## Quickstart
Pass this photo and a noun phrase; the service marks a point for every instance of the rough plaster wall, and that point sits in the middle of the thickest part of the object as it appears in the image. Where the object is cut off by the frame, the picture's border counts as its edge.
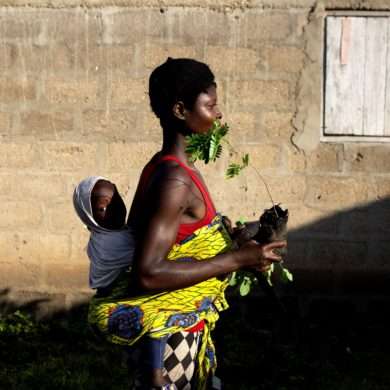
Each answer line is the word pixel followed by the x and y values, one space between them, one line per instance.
pixel 227 5
pixel 73 102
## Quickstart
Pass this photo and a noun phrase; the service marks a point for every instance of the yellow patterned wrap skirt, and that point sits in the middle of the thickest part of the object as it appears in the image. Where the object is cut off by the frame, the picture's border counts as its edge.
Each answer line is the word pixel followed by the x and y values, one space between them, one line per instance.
pixel 125 320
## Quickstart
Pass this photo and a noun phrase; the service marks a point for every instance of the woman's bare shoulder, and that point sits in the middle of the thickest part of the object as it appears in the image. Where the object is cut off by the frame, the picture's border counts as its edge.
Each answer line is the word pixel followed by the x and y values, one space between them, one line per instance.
pixel 169 171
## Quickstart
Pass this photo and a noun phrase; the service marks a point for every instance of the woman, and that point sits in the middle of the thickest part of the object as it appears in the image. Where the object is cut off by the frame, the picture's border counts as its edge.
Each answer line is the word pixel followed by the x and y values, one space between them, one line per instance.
pixel 174 218
pixel 172 200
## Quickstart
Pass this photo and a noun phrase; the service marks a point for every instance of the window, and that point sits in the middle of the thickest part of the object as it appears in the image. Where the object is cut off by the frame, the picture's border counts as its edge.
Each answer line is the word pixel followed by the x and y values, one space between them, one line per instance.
pixel 356 94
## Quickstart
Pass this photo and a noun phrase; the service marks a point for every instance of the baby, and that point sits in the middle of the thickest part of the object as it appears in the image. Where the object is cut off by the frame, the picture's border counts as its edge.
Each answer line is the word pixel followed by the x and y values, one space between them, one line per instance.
pixel 110 250
pixel 111 245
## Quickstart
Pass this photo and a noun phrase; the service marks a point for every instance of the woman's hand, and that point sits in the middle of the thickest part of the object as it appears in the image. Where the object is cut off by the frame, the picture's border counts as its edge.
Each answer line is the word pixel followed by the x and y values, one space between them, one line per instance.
pixel 259 257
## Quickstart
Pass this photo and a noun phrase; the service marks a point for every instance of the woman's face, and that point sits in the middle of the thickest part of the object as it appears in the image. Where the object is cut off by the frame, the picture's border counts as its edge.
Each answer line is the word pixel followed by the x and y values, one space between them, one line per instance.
pixel 205 111
pixel 108 207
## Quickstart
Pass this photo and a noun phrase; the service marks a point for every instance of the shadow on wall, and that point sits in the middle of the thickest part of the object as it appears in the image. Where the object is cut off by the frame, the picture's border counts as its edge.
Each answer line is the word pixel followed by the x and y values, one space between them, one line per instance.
pixel 345 254
pixel 8 305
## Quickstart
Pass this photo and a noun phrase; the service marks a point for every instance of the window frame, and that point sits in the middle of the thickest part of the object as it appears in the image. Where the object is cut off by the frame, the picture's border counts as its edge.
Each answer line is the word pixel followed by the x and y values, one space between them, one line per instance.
pixel 334 137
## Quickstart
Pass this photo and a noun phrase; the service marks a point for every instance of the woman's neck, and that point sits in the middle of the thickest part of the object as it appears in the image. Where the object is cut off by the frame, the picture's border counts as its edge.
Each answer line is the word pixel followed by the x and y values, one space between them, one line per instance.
pixel 175 143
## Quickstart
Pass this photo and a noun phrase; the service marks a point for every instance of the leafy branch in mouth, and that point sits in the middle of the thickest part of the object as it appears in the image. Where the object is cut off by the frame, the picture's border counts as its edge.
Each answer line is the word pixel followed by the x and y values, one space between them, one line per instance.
pixel 207 146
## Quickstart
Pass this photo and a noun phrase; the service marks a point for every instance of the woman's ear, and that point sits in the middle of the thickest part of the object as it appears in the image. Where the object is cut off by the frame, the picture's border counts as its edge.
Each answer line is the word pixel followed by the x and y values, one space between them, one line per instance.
pixel 179 110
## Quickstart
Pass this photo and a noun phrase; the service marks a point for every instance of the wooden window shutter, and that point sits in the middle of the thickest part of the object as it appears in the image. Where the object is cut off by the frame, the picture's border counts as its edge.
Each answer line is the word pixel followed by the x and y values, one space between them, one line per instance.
pixel 357 76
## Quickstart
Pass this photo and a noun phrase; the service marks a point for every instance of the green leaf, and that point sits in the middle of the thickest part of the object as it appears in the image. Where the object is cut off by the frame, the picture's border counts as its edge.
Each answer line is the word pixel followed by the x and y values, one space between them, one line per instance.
pixel 285 276
pixel 240 221
pixel 233 279
pixel 245 286
pixel 233 170
pixel 268 274
pixel 214 148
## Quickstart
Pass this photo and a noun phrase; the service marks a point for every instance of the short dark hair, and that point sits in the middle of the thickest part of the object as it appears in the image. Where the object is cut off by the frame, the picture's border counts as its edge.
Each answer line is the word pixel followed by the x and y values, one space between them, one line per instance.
pixel 180 79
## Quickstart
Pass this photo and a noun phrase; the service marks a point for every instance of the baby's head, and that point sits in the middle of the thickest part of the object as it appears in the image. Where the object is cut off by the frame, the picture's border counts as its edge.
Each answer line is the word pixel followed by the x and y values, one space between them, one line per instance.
pixel 98 204
pixel 108 208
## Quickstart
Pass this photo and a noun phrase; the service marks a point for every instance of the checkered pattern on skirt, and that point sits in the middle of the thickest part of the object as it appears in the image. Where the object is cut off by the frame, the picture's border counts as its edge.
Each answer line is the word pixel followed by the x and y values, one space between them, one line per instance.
pixel 179 362
pixel 179 358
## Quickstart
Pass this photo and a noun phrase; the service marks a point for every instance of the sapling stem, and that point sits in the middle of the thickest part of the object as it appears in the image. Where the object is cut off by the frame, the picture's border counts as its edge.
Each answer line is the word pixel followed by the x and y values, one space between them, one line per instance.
pixel 257 172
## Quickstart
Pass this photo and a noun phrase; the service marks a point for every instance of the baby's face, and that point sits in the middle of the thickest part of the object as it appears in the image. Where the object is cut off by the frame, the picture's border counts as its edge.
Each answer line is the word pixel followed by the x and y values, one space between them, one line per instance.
pixel 108 207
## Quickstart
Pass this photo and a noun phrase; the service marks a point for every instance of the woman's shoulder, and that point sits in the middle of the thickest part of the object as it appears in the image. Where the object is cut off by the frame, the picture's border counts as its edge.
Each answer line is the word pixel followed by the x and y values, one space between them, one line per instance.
pixel 168 167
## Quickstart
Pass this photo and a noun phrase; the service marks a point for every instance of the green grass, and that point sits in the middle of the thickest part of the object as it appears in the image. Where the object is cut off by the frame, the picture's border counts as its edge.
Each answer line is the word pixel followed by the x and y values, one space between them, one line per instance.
pixel 58 355
pixel 257 350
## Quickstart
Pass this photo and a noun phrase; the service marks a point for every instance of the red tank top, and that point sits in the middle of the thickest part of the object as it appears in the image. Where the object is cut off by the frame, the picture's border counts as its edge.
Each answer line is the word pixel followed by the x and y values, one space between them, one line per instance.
pixel 185 229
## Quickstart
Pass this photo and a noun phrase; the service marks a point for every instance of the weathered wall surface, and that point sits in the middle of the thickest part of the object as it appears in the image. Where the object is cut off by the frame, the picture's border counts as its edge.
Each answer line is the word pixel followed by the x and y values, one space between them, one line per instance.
pixel 73 102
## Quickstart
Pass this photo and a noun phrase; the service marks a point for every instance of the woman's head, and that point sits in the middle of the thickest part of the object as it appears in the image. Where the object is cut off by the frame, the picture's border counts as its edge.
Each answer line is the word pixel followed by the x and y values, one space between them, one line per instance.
pixel 175 81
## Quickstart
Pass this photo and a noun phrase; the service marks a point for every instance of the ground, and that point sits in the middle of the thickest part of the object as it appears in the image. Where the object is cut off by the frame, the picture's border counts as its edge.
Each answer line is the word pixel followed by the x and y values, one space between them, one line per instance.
pixel 259 347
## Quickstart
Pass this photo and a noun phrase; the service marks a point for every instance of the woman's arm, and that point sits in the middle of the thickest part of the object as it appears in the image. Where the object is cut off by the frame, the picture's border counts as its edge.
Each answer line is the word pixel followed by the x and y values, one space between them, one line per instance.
pixel 169 197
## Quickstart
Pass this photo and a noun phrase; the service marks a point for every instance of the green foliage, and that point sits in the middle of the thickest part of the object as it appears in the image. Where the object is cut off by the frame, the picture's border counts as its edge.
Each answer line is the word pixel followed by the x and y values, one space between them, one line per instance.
pixel 17 323
pixel 244 281
pixel 285 275
pixel 268 274
pixel 207 147
pixel 240 221
pixel 60 353
pixel 235 169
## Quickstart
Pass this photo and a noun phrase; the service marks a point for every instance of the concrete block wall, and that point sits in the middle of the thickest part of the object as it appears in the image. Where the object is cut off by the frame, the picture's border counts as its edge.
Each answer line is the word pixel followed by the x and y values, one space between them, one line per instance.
pixel 73 102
